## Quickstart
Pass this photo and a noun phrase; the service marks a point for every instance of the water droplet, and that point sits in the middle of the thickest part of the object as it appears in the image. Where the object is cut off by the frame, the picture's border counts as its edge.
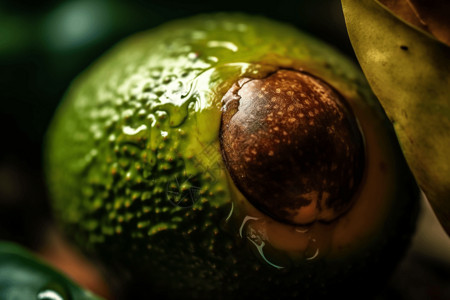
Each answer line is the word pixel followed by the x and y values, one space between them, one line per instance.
pixel 133 131
pixel 53 291
pixel 177 113
pixel 168 78
pixel 152 120
pixel 48 294
pixel 314 256
pixel 155 74
pixel 161 115
pixel 193 56
pixel 213 59
pixel 301 229
pixel 223 44
pixel 259 244
pixel 231 212
pixel 112 138
pixel 246 219
pixel 126 114
pixel 149 97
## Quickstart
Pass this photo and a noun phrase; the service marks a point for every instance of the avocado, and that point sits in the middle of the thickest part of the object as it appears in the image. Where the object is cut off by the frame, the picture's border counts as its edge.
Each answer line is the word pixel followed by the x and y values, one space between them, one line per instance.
pixel 23 276
pixel 141 158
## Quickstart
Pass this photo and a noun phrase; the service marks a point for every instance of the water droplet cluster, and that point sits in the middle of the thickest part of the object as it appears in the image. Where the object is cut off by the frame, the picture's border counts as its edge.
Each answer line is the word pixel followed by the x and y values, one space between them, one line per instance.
pixel 133 165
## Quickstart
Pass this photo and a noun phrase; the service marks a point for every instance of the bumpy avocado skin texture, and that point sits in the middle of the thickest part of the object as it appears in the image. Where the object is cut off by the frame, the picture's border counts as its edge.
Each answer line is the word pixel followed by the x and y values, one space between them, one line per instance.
pixel 137 179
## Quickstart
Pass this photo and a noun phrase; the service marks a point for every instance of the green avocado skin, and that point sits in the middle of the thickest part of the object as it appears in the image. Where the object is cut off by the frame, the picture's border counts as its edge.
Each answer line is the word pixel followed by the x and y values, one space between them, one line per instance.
pixel 137 179
pixel 23 276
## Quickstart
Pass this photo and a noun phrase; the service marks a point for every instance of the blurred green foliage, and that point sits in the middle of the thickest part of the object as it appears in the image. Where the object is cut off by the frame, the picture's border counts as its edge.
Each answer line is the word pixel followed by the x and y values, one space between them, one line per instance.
pixel 24 276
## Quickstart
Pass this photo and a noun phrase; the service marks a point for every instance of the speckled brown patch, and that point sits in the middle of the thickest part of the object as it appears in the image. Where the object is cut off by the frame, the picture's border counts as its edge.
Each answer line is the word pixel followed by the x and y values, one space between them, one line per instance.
pixel 292 146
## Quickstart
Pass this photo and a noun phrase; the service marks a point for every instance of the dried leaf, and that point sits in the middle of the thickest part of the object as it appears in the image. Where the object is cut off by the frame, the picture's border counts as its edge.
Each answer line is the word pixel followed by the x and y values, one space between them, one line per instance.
pixel 431 16
pixel 409 72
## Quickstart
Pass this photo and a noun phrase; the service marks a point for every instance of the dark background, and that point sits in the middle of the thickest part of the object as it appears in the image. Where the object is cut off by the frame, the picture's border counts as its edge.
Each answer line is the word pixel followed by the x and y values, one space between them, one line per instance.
pixel 45 44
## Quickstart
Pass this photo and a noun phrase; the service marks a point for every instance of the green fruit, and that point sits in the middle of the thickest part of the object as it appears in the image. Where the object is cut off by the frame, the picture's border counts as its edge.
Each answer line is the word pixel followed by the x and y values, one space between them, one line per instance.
pixel 23 276
pixel 135 167
pixel 409 71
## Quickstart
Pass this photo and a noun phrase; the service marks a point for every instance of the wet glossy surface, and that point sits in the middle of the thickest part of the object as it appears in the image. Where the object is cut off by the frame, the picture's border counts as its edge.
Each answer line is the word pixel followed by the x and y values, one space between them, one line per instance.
pixel 137 177
pixel 292 146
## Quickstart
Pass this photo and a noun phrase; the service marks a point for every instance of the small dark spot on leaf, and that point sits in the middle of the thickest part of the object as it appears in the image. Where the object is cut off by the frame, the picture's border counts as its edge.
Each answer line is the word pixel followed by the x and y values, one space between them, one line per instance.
pixel 403 47
pixel 405 114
